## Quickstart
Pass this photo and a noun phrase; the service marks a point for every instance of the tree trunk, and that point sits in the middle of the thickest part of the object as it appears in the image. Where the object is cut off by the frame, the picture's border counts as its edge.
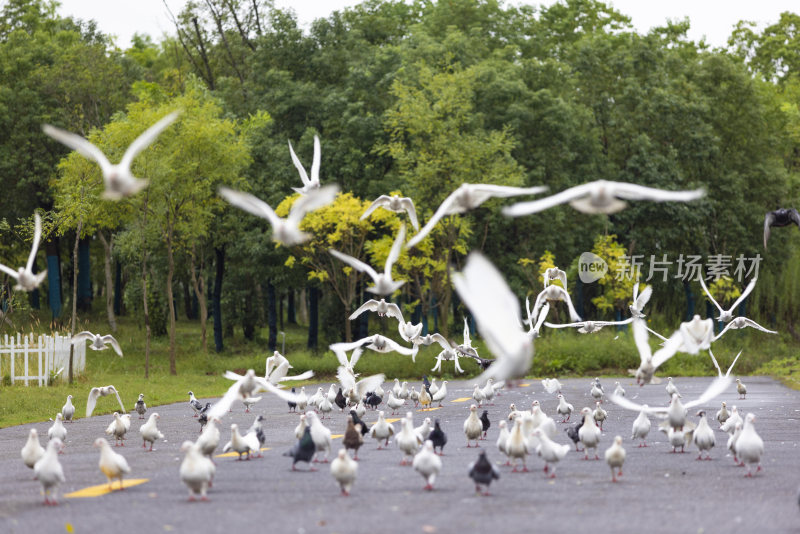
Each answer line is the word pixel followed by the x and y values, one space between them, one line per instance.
pixel 84 276
pixel 170 272
pixel 118 289
pixel 291 318
pixel 74 298
pixel 313 317
pixel 272 317
pixel 107 249
pixel 198 284
pixel 216 306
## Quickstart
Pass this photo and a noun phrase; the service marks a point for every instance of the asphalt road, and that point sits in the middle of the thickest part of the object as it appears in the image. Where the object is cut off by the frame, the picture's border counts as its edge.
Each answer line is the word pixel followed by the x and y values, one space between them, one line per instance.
pixel 659 492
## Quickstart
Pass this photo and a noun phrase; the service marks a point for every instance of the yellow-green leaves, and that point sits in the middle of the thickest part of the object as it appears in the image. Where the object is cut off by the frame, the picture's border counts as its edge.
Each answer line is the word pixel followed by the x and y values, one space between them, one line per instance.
pixel 618 282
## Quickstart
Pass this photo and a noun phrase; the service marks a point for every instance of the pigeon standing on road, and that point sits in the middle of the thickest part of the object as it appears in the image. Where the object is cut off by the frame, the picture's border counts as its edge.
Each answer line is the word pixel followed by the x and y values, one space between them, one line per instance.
pixel 292 404
pixel 303 450
pixel 196 471
pixel 641 427
pixel 57 430
pixel 485 422
pixel 438 438
pixel 68 410
pixel 203 419
pixel 150 432
pixel 482 472
pixel 741 389
pixel 615 457
pixel 357 421
pixel 722 414
pixel 427 464
pixel 703 437
pixel 112 465
pixel 353 438
pixel 572 433
pixel 48 471
pixel 195 405
pixel 381 430
pixel 344 469
pixel 340 401
pixel 33 451
pixel 589 434
pixel 209 438
pixel 258 429
pixel 140 406
pixel 472 426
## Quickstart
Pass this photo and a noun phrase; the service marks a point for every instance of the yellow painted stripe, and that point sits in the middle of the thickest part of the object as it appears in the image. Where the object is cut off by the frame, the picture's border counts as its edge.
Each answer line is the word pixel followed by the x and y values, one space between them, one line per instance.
pixel 429 409
pixel 102 489
pixel 462 399
pixel 524 385
pixel 392 419
pixel 236 454
pixel 337 436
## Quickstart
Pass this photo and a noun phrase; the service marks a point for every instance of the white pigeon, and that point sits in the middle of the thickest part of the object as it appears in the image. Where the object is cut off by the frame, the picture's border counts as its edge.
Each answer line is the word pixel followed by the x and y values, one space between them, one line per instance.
pixel 409 331
pixel 149 431
pixel 641 426
pixel 671 387
pixel 246 386
pixel 277 370
pixel 241 445
pixel 488 391
pixel 555 293
pixel 26 279
pixel 589 433
pixel 564 408
pixel 619 390
pixel 312 183
pixel 381 307
pixel 408 441
pixel 615 458
pixel 467 197
pixel 535 321
pixel 118 428
pixel 473 428
pixel 449 352
pixel 396 204
pixel 678 437
pixel 32 451
pixel 96 393
pixel 750 446
pixel 651 361
pixel 440 394
pixel 551 385
pixel 588 327
pixel 48 471
pixel 98 342
pixel 284 231
pixel 729 425
pixel 741 389
pixel 320 435
pixel 640 300
pixel 601 196
pixel 394 403
pixel 742 322
pixel 383 283
pixel 404 393
pixel 314 399
pixel 68 410
pixel 550 451
pixel 118 179
pixel 344 469
pixel 414 396
pixel 596 392
pixel 356 390
pixel 697 334
pixel 424 430
pixel 734 437
pixel 428 464
pixel 300 429
pixel 599 415
pixel 197 470
pixel 433 387
pixel 341 355
pixel 703 437
pixel 208 441
pixel 552 274
pixel 57 430
pixel 325 406
pixel 383 344
pixel 516 446
pixel 302 400
pixel 496 311
pixel 726 315
pixel 112 465
pixel 381 430
pixel 722 413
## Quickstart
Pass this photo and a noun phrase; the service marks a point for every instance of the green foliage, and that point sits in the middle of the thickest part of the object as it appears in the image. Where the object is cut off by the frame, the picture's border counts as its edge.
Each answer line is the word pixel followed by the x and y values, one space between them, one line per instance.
pixel 618 282
pixel 724 290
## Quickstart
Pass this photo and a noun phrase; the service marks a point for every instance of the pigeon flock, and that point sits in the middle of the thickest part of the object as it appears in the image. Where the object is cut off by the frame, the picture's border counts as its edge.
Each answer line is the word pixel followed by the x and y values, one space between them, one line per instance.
pixel 497 313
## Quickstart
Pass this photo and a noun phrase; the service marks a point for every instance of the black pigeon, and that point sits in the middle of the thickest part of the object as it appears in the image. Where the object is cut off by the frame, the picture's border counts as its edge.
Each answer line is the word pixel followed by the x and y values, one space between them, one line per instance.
pixel 340 401
pixel 204 416
pixel 485 422
pixel 572 432
pixel 483 362
pixel 426 383
pixel 779 217
pixel 357 421
pixel 303 451
pixel 483 472
pixel 373 400
pixel 292 405
pixel 438 437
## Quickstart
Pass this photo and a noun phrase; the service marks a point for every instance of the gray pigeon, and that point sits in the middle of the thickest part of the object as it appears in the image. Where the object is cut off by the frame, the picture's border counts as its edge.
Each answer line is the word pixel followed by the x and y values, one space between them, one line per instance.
pixel 483 472
pixel 303 451
pixel 438 437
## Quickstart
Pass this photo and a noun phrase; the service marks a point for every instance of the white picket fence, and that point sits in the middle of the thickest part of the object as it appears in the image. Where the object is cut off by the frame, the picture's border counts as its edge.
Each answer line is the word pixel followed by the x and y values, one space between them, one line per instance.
pixel 47 354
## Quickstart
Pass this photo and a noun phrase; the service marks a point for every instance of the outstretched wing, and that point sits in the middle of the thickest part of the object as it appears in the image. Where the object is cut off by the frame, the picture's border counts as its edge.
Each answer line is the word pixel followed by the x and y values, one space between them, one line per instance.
pixel 108 338
pixel 250 203
pixel 355 263
pixel 443 210
pixel 408 205
pixel 377 203
pixel 371 305
pixel 91 402
pixel 311 201
pixel 716 388
pixel 744 294
pixel 81 336
pixel 299 166
pixel 669 349
pixel 78 144
pixel 37 236
pixel 534 206
pixel 394 311
pixel 708 293
pixel 394 254
pixel 643 298
pixel 144 140
pixel 315 162
pixel 751 323
pixel 640 192
pixel 630 405
pixel 369 383
pixel 121 406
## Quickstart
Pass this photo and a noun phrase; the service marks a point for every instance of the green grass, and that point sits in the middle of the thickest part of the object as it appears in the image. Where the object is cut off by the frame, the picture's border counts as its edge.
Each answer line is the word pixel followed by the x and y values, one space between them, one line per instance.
pixel 560 353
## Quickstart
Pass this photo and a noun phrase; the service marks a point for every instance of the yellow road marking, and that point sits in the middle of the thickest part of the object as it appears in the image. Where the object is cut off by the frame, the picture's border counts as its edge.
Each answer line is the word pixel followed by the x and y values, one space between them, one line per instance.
pixel 236 454
pixel 337 436
pixel 102 489
pixel 524 385
pixel 462 399
pixel 429 409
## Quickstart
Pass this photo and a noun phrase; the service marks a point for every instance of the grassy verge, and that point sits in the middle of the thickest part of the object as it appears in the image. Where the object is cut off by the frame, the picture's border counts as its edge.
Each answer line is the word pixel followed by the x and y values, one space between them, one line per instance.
pixel 559 353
